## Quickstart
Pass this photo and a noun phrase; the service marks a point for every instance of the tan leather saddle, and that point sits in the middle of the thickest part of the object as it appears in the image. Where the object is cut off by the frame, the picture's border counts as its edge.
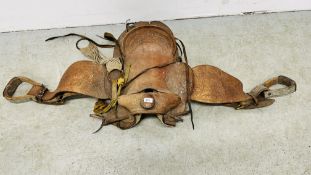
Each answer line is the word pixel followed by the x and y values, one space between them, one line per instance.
pixel 148 74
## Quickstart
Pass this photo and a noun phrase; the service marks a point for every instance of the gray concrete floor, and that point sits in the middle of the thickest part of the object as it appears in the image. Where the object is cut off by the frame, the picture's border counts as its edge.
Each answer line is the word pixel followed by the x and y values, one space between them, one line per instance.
pixel 45 139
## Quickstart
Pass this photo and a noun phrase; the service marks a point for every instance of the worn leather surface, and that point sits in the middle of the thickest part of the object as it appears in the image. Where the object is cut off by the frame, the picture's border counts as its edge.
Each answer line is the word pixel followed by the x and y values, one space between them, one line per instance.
pixel 81 78
pixel 86 78
pixel 163 102
pixel 212 85
pixel 146 45
pixel 169 79
pixel 150 51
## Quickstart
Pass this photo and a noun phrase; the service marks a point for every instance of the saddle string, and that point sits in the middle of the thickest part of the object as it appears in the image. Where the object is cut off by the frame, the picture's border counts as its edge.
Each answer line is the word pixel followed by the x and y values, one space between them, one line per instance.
pixel 82 37
pixel 187 80
pixel 92 52
pixel 179 48
pixel 108 36
pixel 144 71
pixel 101 107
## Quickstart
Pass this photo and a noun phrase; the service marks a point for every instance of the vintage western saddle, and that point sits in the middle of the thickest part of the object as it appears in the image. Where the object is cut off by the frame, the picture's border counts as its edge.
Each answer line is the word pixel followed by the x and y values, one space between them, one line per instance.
pixel 148 74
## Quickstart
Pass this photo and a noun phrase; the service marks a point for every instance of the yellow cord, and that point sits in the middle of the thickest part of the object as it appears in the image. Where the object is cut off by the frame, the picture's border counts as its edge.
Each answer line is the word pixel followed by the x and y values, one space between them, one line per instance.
pixel 117 85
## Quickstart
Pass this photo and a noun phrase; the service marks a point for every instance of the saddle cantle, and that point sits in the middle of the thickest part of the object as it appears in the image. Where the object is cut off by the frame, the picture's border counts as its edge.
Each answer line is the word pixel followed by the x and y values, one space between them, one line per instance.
pixel 149 74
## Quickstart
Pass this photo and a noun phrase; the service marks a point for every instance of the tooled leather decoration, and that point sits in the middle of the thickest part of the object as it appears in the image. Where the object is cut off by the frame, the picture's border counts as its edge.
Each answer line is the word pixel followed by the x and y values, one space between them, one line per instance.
pixel 148 74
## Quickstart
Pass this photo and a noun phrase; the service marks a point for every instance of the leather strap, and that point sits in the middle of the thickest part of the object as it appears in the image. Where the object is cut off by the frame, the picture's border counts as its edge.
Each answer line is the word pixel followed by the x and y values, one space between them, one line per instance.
pixel 82 38
pixel 35 93
pixel 38 92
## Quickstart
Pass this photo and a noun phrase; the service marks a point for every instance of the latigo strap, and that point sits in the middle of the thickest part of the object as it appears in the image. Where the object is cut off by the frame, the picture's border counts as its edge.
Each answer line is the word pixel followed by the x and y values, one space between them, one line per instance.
pixel 148 73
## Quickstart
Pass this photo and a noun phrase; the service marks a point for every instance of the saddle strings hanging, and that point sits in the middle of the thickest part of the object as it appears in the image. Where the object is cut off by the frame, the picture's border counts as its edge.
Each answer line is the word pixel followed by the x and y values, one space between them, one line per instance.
pixel 82 37
pixel 184 54
pixel 91 50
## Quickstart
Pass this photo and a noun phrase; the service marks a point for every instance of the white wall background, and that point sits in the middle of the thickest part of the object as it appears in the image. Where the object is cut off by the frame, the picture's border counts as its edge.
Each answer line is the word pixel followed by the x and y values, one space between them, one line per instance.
pixel 43 14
